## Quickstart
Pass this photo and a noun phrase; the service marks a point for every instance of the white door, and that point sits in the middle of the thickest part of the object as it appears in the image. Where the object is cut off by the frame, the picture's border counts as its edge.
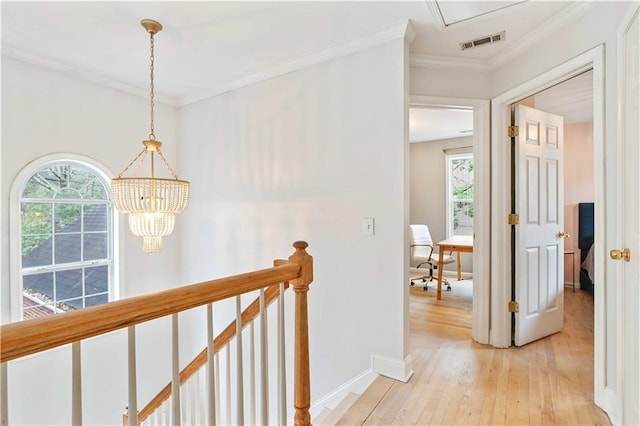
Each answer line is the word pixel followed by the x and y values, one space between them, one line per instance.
pixel 539 242
pixel 631 229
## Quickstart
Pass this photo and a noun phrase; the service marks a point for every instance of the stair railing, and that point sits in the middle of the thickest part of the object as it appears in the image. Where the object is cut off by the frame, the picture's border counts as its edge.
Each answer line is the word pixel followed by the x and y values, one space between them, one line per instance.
pixel 28 337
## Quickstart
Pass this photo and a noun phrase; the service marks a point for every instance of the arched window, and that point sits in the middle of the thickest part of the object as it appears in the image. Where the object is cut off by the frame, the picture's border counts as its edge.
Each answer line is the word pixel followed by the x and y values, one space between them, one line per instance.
pixel 66 239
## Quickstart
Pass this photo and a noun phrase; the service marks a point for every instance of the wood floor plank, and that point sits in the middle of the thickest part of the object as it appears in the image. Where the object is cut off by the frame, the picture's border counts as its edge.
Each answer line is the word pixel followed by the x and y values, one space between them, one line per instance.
pixel 457 381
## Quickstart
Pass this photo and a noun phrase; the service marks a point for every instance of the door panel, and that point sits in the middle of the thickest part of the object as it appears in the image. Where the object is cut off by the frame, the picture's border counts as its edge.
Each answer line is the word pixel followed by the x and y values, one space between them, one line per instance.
pixel 539 267
pixel 631 226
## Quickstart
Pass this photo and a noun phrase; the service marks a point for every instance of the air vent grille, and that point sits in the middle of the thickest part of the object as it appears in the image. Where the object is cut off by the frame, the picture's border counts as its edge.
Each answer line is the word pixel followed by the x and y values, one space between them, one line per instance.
pixel 493 38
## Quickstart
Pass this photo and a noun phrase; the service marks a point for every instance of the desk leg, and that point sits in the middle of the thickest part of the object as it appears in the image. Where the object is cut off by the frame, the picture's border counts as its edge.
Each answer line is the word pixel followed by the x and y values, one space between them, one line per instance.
pixel 459 275
pixel 439 294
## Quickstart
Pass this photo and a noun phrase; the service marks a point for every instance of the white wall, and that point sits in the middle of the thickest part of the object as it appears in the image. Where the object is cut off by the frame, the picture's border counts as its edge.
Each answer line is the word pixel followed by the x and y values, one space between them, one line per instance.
pixel 306 156
pixel 46 112
pixel 450 83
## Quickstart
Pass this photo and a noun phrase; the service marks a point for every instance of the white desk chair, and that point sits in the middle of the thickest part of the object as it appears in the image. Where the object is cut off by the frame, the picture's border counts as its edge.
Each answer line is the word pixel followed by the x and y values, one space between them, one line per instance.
pixel 424 255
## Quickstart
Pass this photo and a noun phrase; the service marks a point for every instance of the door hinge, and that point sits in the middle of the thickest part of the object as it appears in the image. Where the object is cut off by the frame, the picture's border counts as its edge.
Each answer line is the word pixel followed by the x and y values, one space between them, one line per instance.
pixel 513 306
pixel 514 219
pixel 513 131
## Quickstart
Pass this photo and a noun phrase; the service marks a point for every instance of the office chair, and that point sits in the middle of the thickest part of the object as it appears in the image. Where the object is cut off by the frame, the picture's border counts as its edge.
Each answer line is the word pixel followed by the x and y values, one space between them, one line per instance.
pixel 423 254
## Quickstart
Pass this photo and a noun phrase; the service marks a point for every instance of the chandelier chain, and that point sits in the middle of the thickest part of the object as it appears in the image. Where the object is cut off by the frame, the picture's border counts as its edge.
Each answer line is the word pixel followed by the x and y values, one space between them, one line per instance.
pixel 166 163
pixel 152 135
pixel 131 164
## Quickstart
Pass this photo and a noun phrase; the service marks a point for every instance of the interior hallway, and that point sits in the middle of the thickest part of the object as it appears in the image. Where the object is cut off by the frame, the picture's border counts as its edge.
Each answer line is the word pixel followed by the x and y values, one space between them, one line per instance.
pixel 456 381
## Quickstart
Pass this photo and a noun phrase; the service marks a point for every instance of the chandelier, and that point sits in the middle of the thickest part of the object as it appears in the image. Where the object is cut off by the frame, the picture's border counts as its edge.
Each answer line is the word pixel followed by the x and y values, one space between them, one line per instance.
pixel 151 202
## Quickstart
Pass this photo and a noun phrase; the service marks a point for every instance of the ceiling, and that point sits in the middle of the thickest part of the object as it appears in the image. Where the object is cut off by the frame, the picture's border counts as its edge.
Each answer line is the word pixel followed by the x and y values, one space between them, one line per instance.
pixel 207 47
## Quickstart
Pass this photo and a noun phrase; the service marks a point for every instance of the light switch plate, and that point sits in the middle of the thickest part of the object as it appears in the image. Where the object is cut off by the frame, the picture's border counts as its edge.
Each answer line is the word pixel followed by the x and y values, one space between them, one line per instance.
pixel 368 226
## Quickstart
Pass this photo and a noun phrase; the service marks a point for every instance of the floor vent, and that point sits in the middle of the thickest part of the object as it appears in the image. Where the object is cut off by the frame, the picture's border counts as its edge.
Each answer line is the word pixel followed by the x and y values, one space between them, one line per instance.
pixel 493 38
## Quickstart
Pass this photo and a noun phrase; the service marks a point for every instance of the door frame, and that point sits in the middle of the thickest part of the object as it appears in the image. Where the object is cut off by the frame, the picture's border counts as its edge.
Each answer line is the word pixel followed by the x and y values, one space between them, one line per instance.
pixel 481 220
pixel 500 335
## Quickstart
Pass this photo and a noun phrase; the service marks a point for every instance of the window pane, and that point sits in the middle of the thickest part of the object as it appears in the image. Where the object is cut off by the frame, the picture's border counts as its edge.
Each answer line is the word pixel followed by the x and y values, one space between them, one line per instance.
pixel 462 218
pixel 39 286
pixel 36 218
pixel 32 309
pixel 95 246
pixel 68 218
pixel 68 284
pixel 87 184
pixel 67 248
pixel 95 217
pixel 69 305
pixel 96 300
pixel 36 251
pixel 462 178
pixel 96 279
pixel 68 194
pixel 38 187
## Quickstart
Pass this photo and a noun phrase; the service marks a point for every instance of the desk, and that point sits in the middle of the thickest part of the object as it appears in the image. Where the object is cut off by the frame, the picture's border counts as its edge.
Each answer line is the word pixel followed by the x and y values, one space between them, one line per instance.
pixel 459 244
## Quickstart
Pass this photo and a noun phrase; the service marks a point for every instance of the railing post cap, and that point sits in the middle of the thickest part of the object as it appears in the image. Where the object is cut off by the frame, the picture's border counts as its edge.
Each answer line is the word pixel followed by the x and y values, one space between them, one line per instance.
pixel 300 245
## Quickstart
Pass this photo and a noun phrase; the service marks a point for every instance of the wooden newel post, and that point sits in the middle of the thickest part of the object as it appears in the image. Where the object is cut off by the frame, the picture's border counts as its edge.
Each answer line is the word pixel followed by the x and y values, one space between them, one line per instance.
pixel 302 383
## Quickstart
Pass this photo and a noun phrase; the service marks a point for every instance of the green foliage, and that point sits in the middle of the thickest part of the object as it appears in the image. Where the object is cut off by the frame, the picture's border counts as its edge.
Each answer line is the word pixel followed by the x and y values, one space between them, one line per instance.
pixel 40 205
pixel 462 189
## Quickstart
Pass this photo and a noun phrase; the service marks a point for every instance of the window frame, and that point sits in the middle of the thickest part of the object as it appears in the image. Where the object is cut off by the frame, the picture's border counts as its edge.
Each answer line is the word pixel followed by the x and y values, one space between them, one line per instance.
pixel 15 227
pixel 449 157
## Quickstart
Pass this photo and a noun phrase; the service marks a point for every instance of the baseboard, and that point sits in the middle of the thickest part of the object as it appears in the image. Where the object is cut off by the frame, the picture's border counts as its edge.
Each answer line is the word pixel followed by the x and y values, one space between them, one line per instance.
pixel 392 368
pixel 356 385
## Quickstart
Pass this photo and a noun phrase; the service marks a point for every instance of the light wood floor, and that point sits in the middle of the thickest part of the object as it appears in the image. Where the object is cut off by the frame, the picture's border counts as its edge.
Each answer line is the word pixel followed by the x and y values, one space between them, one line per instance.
pixel 457 381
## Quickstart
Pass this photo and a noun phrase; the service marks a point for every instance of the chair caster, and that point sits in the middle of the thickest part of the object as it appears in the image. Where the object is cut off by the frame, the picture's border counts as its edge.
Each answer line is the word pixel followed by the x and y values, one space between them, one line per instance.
pixel 448 288
pixel 412 283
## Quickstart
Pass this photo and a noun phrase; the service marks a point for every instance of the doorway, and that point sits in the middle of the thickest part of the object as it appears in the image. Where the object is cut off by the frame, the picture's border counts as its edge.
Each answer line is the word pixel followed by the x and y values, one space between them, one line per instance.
pixel 481 155
pixel 501 200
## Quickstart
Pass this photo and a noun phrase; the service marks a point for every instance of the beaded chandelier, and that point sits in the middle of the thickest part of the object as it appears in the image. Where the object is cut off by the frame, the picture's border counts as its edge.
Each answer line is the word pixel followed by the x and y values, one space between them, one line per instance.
pixel 151 202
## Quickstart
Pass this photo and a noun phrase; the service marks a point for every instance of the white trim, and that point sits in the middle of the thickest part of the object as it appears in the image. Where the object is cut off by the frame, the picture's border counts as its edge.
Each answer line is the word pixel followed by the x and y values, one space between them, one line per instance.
pixel 500 201
pixel 481 221
pixel 14 224
pixel 356 385
pixel 393 368
pixel 448 63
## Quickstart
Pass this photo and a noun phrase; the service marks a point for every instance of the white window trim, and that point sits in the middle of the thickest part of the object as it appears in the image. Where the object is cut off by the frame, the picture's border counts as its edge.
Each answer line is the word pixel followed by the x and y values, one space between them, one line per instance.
pixel 15 258
pixel 452 154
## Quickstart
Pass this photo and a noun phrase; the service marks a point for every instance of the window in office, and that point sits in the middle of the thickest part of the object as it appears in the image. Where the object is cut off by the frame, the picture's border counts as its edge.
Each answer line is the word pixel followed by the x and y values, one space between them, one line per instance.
pixel 66 239
pixel 459 194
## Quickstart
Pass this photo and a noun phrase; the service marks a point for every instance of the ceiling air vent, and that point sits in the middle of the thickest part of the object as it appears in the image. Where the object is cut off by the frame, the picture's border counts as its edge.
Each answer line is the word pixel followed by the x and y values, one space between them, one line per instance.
pixel 493 38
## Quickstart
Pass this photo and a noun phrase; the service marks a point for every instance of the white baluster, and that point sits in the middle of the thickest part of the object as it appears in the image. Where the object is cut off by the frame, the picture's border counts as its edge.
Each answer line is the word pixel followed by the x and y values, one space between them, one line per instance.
pixel 282 386
pixel 132 409
pixel 239 375
pixel 211 380
pixel 175 376
pixel 228 380
pixel 252 375
pixel 217 377
pixel 76 384
pixel 4 395
pixel 264 372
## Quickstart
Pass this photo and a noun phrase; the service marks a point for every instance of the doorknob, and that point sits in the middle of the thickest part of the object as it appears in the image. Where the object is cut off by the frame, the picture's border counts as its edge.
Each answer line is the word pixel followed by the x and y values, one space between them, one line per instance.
pixel 623 254
pixel 563 234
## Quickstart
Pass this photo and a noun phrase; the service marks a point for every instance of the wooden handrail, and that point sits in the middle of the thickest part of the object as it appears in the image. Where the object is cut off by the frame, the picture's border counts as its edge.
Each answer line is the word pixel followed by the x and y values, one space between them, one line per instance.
pixel 28 337
pixel 248 315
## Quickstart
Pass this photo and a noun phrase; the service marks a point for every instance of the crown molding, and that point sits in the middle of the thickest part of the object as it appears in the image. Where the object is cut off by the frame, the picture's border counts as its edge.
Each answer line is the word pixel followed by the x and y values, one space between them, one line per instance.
pixel 402 30
pixel 560 20
pixel 89 76
pixel 448 63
